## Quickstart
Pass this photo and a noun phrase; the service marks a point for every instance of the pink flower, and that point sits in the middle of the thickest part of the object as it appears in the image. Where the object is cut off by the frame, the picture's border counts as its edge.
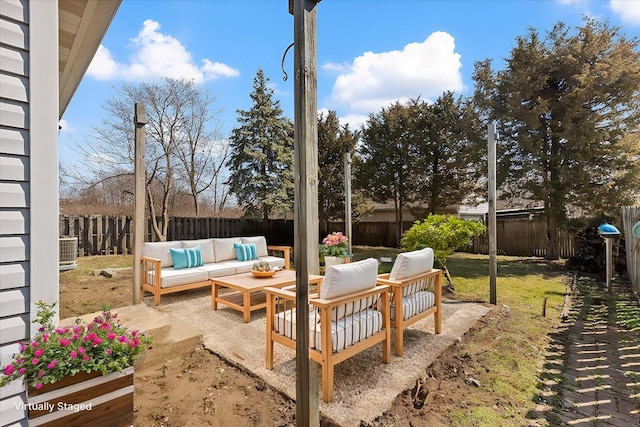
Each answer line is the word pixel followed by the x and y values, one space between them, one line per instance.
pixel 8 370
pixel 81 350
pixel 34 362
pixel 134 333
pixel 39 386
pixel 19 360
pixel 45 337
pixel 53 364
pixel 22 371
pixel 41 329
pixel 111 336
pixel 85 358
pixel 40 374
pixel 122 338
pixel 64 342
pixel 38 352
pixel 73 355
pixel 109 351
pixel 97 341
pixel 75 337
pixel 34 344
pixel 22 347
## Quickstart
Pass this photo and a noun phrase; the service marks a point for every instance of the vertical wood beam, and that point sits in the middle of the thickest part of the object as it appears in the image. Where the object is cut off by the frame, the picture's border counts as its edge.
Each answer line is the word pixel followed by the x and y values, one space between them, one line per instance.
pixel 306 237
pixel 140 120
pixel 347 202
pixel 491 158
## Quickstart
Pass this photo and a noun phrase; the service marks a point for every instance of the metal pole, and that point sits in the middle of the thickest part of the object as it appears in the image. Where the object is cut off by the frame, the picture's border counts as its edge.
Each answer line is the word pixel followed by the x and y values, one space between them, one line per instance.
pixel 347 200
pixel 493 265
pixel 306 233
pixel 140 120
pixel 608 245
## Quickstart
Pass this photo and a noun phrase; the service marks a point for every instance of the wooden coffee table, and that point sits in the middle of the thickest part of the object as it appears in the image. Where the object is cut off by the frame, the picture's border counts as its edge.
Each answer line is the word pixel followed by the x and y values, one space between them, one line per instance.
pixel 248 295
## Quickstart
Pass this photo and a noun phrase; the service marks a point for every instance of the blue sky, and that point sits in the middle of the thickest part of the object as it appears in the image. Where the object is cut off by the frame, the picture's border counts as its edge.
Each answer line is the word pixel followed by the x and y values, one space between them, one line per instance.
pixel 370 52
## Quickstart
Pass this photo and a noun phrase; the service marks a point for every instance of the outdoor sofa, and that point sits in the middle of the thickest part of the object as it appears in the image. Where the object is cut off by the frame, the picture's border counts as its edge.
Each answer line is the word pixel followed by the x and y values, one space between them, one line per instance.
pixel 176 266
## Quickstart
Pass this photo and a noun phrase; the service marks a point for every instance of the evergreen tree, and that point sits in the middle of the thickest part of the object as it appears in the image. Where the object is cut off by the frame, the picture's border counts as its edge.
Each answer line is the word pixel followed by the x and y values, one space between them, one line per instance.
pixel 568 111
pixel 261 160
pixel 333 142
pixel 449 148
pixel 388 167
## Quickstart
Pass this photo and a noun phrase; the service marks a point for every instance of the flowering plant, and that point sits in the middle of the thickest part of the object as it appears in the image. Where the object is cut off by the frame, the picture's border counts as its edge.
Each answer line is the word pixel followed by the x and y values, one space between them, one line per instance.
pixel 335 244
pixel 54 353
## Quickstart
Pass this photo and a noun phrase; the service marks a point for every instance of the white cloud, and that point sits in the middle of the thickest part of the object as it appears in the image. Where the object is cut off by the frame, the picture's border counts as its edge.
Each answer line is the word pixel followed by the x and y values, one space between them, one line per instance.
pixel 627 10
pixel 374 80
pixel 355 121
pixel 157 55
pixel 64 126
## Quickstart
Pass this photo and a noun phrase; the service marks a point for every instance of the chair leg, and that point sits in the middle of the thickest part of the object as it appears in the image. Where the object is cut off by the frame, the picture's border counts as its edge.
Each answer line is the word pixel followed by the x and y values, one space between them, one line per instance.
pixel 327 381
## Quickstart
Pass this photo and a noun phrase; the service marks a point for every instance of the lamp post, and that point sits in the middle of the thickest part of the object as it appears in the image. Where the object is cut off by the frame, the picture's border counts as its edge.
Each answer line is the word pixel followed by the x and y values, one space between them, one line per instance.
pixel 608 232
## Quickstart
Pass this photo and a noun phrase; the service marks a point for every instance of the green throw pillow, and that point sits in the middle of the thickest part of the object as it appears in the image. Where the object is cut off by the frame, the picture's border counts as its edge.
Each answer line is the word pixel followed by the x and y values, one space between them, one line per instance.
pixel 187 257
pixel 246 251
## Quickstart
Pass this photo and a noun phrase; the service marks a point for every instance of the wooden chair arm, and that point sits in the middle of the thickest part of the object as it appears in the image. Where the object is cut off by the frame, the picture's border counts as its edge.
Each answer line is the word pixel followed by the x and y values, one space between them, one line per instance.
pixel 285 292
pixel 319 302
pixel 383 279
pixel 286 250
pixel 149 259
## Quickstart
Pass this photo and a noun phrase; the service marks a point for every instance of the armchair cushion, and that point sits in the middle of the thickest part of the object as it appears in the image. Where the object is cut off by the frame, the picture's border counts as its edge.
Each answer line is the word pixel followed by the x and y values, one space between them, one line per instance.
pixel 348 330
pixel 344 279
pixel 160 250
pixel 409 264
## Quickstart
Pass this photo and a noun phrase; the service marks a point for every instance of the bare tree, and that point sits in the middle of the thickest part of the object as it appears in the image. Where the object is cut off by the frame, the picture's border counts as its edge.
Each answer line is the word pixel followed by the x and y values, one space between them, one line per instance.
pixel 183 152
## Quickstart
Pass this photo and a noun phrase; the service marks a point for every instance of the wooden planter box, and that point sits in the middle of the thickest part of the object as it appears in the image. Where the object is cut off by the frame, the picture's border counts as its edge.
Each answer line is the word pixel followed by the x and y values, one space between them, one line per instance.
pixel 84 400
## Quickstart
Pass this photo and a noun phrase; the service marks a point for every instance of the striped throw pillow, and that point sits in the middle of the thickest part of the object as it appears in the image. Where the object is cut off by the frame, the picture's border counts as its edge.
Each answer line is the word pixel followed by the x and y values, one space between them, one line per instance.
pixel 186 257
pixel 246 251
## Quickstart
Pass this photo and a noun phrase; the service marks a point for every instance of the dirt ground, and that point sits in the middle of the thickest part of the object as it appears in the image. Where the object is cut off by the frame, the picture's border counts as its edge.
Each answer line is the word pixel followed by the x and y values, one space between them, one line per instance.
pixel 198 388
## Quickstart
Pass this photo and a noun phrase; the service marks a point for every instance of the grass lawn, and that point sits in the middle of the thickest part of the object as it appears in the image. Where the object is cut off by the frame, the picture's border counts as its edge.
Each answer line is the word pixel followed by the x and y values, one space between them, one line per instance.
pixel 509 350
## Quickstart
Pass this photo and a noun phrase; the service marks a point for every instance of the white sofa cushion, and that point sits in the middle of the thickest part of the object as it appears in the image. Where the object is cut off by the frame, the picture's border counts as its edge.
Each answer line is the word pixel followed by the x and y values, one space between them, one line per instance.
pixel 410 264
pixel 344 279
pixel 260 242
pixel 160 250
pixel 224 249
pixel 218 269
pixel 272 260
pixel 172 277
pixel 206 248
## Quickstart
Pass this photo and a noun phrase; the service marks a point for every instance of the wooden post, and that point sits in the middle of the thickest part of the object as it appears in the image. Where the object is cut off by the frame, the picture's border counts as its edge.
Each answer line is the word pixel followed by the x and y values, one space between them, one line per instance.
pixel 347 201
pixel 493 266
pixel 140 120
pixel 306 236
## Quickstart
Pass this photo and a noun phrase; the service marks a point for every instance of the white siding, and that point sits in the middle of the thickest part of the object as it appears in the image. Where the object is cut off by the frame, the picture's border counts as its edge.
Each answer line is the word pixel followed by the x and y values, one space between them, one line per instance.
pixel 15 203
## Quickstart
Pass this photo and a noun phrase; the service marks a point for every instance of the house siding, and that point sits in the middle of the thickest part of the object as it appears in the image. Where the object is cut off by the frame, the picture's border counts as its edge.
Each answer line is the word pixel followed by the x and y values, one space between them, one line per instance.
pixel 28 178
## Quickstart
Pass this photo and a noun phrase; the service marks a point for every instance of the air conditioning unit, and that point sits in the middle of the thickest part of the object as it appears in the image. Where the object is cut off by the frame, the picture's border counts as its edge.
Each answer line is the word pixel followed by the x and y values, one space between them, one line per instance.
pixel 68 253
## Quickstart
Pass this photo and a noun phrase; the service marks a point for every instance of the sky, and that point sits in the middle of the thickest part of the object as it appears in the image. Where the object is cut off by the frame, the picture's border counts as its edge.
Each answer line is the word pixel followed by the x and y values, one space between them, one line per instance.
pixel 370 53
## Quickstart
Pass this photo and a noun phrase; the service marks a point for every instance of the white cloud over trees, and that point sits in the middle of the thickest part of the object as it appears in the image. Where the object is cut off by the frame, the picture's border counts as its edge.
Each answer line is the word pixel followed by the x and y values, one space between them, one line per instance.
pixel 423 69
pixel 157 55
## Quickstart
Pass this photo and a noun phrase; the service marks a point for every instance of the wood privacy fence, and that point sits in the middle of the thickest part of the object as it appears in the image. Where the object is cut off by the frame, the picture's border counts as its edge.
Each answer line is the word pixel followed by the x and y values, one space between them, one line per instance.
pixel 102 234
pixel 523 237
pixel 630 217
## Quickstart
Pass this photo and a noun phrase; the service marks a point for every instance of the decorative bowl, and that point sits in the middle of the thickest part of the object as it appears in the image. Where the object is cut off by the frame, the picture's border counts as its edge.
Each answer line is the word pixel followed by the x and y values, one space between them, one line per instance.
pixel 263 274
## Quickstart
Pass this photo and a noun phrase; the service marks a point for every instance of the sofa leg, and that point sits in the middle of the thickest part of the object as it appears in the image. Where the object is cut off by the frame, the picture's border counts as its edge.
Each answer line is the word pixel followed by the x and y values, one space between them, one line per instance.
pixel 327 382
pixel 156 299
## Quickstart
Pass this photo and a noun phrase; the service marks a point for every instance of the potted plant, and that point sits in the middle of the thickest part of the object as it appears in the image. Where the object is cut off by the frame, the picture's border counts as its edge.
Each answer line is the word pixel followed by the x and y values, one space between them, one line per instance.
pixel 335 249
pixel 89 360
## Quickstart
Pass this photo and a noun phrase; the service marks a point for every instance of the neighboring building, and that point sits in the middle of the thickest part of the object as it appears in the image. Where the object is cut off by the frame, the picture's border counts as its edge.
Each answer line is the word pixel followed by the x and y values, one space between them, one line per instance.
pixel 45 49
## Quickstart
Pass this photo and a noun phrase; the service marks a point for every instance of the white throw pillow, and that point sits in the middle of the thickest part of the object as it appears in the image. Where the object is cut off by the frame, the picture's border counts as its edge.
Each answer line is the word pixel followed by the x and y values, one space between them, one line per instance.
pixel 409 264
pixel 160 250
pixel 260 242
pixel 348 278
pixel 224 249
pixel 206 248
